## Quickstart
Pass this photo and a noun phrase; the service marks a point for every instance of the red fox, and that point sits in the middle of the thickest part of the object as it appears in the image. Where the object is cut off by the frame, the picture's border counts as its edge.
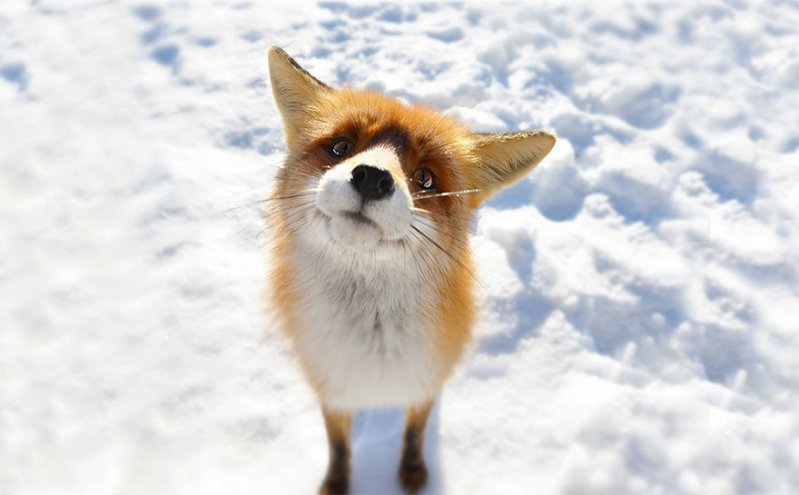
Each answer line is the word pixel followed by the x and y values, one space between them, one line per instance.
pixel 372 275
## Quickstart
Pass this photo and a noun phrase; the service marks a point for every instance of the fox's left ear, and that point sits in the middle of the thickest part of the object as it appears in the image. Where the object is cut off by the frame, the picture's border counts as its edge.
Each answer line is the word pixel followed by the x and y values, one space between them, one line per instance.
pixel 297 93
pixel 502 159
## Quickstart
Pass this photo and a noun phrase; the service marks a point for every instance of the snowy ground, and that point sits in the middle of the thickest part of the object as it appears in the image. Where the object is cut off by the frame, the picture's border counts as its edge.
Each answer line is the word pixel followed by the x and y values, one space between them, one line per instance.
pixel 641 288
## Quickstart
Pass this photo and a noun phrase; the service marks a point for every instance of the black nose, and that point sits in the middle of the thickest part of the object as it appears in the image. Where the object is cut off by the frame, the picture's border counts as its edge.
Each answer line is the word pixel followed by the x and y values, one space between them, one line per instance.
pixel 372 182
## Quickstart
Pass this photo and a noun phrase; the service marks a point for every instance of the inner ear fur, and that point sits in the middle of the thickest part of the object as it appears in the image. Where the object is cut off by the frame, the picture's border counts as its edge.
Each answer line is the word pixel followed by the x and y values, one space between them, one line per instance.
pixel 296 92
pixel 502 159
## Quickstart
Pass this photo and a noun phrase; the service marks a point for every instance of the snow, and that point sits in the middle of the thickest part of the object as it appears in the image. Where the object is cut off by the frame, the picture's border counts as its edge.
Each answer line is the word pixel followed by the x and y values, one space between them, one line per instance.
pixel 639 290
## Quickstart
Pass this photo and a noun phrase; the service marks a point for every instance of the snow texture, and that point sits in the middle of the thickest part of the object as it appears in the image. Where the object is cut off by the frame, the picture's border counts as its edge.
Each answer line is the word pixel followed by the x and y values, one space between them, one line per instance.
pixel 640 289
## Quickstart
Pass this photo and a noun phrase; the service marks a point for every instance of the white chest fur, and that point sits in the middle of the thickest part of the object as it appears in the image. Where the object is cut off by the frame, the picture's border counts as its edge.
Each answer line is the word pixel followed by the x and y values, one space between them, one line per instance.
pixel 366 332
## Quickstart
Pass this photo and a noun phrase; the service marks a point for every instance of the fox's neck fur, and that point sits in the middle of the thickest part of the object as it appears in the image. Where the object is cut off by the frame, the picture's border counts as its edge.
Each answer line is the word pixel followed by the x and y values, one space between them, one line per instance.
pixel 364 317
pixel 358 283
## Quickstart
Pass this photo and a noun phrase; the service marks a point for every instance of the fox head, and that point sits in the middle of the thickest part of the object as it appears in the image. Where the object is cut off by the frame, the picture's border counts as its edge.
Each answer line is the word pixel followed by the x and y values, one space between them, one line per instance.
pixel 372 175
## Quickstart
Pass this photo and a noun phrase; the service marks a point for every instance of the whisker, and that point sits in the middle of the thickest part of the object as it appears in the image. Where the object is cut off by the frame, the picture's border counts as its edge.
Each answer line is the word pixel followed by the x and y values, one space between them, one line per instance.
pixel 416 196
pixel 467 216
pixel 460 244
pixel 289 208
pixel 430 240
pixel 308 192
pixel 428 255
pixel 293 216
pixel 307 200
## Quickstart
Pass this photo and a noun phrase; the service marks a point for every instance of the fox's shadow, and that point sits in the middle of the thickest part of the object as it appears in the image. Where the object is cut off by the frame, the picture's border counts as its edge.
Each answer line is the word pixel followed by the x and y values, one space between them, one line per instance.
pixel 377 441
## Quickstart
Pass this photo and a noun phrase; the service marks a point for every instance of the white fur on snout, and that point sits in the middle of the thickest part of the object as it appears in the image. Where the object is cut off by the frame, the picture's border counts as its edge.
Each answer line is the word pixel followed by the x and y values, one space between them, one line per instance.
pixel 392 214
pixel 336 195
pixel 387 219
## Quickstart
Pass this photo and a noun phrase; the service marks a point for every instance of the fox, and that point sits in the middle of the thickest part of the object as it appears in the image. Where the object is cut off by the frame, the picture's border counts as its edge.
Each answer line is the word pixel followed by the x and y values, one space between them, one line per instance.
pixel 372 277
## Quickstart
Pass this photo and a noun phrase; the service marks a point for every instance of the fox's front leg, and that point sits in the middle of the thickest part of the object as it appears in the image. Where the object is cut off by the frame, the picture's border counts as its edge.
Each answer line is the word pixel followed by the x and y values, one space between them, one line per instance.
pixel 337 480
pixel 412 471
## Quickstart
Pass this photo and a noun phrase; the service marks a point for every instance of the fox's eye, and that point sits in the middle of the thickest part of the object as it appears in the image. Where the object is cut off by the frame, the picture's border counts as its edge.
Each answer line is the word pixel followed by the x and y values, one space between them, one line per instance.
pixel 424 178
pixel 341 147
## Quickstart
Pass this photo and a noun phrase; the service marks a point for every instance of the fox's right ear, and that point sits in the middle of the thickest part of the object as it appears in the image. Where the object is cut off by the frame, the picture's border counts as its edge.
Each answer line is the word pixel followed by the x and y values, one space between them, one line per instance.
pixel 297 93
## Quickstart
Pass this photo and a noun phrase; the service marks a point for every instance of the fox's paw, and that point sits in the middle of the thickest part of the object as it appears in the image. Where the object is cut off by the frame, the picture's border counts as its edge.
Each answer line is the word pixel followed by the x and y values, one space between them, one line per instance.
pixel 335 485
pixel 413 476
